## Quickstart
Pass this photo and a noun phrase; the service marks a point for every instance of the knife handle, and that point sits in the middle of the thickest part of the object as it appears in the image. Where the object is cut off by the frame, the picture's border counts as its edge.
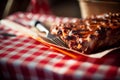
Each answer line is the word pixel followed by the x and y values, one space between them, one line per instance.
pixel 39 26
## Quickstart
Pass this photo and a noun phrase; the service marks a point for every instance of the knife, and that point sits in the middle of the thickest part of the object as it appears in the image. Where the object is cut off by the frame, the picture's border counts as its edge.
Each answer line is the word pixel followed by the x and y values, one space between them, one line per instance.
pixel 42 28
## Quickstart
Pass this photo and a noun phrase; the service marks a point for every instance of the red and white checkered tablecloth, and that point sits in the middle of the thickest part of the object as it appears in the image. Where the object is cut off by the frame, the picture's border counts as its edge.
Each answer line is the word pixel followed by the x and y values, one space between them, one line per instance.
pixel 23 58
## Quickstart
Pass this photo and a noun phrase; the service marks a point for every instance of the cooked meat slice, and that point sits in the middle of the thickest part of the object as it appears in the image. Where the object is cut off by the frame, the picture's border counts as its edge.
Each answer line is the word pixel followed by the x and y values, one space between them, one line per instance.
pixel 90 34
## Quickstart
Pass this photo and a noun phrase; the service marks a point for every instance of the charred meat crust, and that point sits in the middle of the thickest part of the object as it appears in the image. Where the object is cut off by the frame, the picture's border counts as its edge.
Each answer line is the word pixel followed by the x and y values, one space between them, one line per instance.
pixel 90 34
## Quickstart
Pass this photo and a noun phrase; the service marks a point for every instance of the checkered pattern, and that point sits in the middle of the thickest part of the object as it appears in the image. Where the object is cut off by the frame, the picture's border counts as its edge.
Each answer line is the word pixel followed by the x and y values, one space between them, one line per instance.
pixel 39 6
pixel 23 58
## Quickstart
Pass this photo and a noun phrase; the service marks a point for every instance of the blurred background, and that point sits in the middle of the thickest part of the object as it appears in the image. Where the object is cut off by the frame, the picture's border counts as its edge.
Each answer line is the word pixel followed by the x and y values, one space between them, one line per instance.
pixel 64 8
pixel 67 8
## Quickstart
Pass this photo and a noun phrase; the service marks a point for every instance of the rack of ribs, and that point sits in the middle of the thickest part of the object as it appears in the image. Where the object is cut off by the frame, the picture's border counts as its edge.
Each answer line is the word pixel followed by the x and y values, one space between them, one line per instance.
pixel 90 34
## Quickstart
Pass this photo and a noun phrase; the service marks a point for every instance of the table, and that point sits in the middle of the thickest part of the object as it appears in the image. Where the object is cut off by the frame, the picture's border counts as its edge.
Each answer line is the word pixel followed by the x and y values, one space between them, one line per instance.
pixel 23 58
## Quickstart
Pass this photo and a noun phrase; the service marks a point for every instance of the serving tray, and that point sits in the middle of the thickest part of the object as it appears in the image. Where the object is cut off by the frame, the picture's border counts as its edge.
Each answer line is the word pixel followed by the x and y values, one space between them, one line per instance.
pixel 33 33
